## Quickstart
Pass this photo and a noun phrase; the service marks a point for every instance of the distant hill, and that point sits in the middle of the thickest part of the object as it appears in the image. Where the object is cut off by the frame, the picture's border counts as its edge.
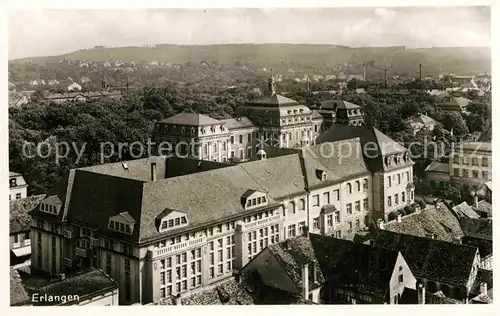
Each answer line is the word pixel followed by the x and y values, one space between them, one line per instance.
pixel 460 60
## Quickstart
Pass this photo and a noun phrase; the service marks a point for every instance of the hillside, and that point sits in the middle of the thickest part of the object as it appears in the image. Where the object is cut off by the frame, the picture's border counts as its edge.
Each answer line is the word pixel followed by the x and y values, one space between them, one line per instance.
pixel 284 56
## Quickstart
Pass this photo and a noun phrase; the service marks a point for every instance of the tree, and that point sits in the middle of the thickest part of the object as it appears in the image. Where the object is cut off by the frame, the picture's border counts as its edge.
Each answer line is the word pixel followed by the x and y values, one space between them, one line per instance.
pixel 420 203
pixel 409 209
pixel 456 122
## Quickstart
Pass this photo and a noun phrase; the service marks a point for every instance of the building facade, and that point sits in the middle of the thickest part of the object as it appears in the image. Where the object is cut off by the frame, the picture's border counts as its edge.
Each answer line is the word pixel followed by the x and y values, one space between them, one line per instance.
pixel 471 164
pixel 18 189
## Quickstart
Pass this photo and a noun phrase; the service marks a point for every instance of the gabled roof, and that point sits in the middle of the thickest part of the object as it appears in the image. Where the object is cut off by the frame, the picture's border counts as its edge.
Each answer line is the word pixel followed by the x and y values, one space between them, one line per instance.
pixel 422 118
pixel 437 166
pixel 18 293
pixel 485 207
pixel 438 221
pixel 274 100
pixel 316 115
pixel 432 259
pixel 479 228
pixel 20 219
pixel 14 174
pixel 292 254
pixel 356 265
pixel 191 119
pixel 338 104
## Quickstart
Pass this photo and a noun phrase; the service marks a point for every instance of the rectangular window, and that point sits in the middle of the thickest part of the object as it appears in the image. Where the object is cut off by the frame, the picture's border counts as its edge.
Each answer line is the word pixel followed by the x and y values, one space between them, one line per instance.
pixel 456 172
pixel 484 161
pixel 336 193
pixel 163 295
pixel 18 196
pixel 220 269
pixel 219 228
pixel 169 262
pixel 169 276
pixel 315 223
pixel 475 174
pixel 399 179
pixel 474 161
pixel 316 200
pixel 389 181
pixel 465 173
pixel 241 139
pixel 389 201
pixel 178 287
pixel 402 197
pixel 365 204
pixel 338 234
pixel 220 255
pixel 184 271
pixel 291 231
pixel 162 278
pixel 486 175
pixel 178 273
pixel 178 259
pixel 212 258
pixel 326 197
pixel 170 223
pixel 400 278
pixel 349 208
pixel 357 206
pixel 229 266
pixel 396 199
pixel 337 217
pixel 177 221
pixel 219 243
pixel 329 220
pixel 184 257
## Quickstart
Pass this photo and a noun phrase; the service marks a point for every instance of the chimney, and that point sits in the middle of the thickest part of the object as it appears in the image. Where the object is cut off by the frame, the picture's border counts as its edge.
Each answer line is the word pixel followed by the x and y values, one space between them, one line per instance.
pixel 483 288
pixel 400 218
pixel 178 300
pixel 421 294
pixel 305 281
pixel 381 224
pixel 305 231
pixel 476 201
pixel 153 171
pixel 364 72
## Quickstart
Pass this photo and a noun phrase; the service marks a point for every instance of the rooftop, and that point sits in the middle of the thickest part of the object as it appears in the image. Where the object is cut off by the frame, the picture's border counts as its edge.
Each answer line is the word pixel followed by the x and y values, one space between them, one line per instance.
pixel 432 259
pixel 274 100
pixel 14 174
pixel 478 228
pixel 237 123
pixel 191 119
pixel 437 166
pixel 18 293
pixel 474 146
pixel 437 221
pixel 464 210
pixel 410 296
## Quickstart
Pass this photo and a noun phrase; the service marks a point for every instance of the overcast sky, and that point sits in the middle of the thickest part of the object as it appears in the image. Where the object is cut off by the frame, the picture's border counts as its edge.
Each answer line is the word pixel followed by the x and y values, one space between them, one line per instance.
pixel 54 32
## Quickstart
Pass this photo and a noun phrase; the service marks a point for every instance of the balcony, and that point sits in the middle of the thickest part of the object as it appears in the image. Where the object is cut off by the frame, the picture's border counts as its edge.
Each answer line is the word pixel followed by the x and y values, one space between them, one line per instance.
pixel 261 222
pixel 179 247
pixel 80 252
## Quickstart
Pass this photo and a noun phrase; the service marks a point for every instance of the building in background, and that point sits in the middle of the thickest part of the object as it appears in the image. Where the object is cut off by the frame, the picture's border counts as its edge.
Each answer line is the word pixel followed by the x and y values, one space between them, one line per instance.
pixel 18 189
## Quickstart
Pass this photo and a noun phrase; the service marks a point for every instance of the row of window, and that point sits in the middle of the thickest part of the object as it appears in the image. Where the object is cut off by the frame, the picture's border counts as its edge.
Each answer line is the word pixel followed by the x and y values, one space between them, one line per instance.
pixel 48 208
pixel 192 130
pixel 357 186
pixel 396 198
pixel 259 216
pixel 256 201
pixel 357 206
pixel 473 173
pixel 399 177
pixel 474 161
pixel 120 227
pixel 174 222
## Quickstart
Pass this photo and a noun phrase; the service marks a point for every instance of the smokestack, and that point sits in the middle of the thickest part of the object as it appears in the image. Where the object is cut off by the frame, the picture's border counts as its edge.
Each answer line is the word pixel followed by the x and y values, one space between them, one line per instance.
pixel 483 288
pixel 153 171
pixel 305 281
pixel 364 72
pixel 420 72
pixel 421 294
pixel 385 78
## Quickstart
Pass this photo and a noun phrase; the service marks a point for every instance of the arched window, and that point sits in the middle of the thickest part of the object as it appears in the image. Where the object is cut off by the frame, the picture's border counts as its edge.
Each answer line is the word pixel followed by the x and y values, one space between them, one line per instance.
pixel 365 184
pixel 358 185
pixel 349 188
pixel 302 205
pixel 292 207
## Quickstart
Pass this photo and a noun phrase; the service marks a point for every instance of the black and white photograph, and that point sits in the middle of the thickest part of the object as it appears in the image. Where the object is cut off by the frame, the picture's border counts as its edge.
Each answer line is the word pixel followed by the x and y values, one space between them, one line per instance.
pixel 249 156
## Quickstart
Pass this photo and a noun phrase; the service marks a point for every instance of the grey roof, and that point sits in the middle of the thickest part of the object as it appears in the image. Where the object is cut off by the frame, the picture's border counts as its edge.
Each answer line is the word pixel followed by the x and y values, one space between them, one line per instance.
pixel 238 123
pixel 464 210
pixel 191 119
pixel 374 143
pixel 274 100
pixel 339 104
pixel 20 219
pixel 456 104
pixel 422 118
pixel 478 228
pixel 475 146
pixel 484 206
pixel 437 166
pixel 316 115
pixel 436 221
pixel 14 174
pixel 432 259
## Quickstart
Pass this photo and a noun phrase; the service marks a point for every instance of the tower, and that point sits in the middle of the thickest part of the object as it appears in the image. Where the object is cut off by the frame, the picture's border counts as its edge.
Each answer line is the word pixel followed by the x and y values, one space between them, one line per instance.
pixel 271 85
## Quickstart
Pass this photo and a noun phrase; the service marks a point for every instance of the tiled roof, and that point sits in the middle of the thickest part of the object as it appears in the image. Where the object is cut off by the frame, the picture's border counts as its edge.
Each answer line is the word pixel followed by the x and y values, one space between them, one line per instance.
pixel 464 210
pixel 475 146
pixel 274 100
pixel 316 115
pixel 422 118
pixel 225 293
pixel 81 284
pixel 339 160
pixel 352 264
pixel 410 296
pixel 292 254
pixel 338 104
pixel 435 220
pixel 432 259
pixel 485 207
pixel 20 219
pixel 437 166
pixel 18 293
pixel 456 104
pixel 237 123
pixel 192 119
pixel 479 228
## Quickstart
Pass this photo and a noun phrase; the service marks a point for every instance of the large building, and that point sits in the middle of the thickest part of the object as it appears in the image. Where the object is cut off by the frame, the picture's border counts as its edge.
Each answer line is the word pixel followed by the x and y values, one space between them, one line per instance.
pixel 470 165
pixel 273 121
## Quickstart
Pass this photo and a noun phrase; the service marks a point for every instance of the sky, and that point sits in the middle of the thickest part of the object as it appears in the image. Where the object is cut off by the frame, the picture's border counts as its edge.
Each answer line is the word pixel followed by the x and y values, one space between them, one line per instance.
pixel 46 32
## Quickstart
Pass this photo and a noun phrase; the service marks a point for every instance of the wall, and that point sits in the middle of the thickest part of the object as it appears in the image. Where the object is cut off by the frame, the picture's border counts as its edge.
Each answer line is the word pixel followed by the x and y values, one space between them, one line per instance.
pixel 396 288
pixel 398 188
pixel 438 177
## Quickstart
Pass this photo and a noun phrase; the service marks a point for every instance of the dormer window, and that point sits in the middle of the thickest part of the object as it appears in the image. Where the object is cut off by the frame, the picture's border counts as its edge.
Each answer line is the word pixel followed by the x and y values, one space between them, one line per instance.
pixel 170 219
pixel 212 129
pixel 222 128
pixel 294 111
pixel 193 131
pixel 289 111
pixel 183 130
pixel 301 110
pixel 321 174
pixel 388 161
pixel 253 198
pixel 122 223
pixel 51 205
pixel 398 159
